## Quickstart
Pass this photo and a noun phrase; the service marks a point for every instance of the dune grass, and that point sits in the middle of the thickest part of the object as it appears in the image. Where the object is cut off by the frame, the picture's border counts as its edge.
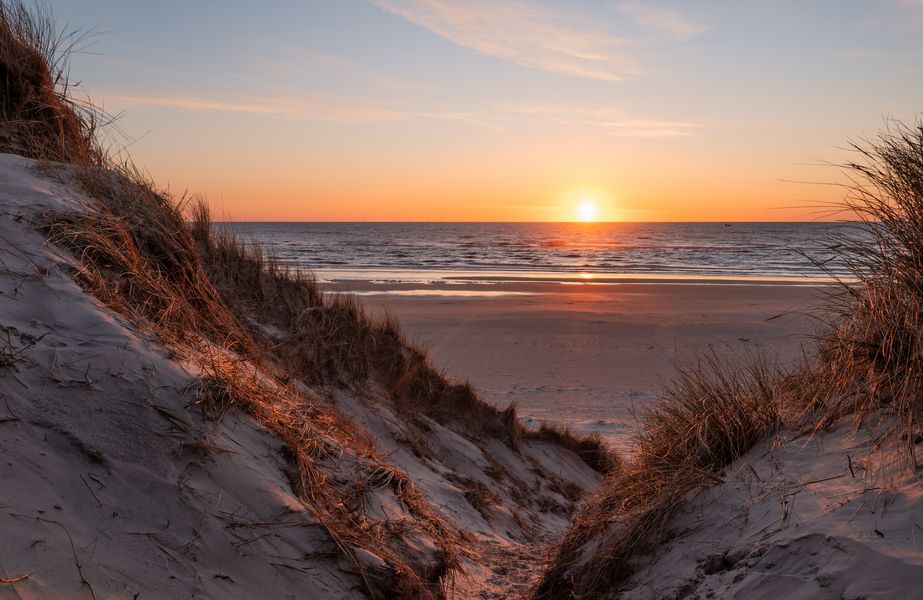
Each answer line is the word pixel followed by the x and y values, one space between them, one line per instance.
pixel 144 260
pixel 714 412
pixel 329 339
pixel 40 115
pixel 316 435
pixel 589 447
pixel 870 361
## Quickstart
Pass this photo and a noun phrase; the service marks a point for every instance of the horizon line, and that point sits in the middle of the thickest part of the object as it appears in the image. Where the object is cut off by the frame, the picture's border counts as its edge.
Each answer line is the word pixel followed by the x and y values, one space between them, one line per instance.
pixel 346 221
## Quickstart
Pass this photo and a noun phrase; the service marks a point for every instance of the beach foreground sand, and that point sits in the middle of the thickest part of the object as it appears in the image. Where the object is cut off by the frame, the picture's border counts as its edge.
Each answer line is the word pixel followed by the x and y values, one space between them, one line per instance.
pixel 588 355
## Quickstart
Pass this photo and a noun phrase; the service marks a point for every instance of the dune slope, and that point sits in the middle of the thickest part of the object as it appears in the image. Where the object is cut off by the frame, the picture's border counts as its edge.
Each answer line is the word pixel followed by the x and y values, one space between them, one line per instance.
pixel 118 481
pixel 795 519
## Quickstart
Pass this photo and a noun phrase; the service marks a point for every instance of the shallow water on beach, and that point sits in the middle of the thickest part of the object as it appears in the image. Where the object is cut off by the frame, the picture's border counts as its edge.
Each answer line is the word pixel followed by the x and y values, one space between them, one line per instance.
pixel 403 251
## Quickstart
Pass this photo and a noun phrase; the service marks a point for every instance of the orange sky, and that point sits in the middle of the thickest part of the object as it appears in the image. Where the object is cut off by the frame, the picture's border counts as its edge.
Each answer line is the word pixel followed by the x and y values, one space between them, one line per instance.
pixel 488 111
pixel 634 180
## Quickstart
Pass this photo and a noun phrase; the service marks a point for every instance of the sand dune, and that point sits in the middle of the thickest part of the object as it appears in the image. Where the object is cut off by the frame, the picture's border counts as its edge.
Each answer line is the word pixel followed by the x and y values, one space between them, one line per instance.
pixel 116 484
pixel 798 518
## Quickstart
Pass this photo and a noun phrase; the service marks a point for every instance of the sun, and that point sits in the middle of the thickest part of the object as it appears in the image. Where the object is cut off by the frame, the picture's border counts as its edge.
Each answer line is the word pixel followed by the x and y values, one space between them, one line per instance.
pixel 586 204
pixel 587 210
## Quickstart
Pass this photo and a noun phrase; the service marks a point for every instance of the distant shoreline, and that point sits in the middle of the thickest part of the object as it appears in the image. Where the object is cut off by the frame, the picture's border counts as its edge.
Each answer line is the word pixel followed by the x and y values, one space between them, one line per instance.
pixel 462 283
pixel 233 223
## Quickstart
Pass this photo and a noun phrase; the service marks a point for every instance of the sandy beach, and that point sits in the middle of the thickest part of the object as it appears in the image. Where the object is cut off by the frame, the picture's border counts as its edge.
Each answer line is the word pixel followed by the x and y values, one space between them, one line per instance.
pixel 589 355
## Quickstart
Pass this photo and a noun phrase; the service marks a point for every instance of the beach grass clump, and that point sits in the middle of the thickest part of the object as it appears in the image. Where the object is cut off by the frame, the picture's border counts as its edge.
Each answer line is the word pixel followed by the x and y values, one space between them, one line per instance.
pixel 320 440
pixel 713 412
pixel 140 258
pixel 590 447
pixel 40 115
pixel 870 362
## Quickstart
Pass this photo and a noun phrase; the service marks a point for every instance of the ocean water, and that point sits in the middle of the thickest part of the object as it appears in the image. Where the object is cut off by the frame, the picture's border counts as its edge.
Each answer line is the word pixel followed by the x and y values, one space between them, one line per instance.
pixel 553 251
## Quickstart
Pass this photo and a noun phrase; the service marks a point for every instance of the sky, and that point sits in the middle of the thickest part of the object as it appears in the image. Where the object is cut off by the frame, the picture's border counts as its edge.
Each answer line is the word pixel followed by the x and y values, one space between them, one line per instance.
pixel 484 110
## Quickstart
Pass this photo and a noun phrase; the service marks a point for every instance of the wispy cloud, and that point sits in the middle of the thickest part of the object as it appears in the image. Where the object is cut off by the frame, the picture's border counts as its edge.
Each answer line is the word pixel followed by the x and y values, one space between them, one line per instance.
pixel 498 117
pixel 606 120
pixel 669 21
pixel 269 107
pixel 646 128
pixel 314 108
pixel 524 32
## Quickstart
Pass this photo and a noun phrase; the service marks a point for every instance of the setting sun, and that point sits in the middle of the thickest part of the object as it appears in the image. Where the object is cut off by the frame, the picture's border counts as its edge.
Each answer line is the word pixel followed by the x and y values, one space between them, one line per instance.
pixel 587 210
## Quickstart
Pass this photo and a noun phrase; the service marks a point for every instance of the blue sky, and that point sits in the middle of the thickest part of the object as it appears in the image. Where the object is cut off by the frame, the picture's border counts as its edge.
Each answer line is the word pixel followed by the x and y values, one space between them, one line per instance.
pixel 479 110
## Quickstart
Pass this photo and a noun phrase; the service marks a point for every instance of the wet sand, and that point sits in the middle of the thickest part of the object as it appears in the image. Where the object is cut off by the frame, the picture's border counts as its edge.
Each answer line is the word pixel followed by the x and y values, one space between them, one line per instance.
pixel 589 355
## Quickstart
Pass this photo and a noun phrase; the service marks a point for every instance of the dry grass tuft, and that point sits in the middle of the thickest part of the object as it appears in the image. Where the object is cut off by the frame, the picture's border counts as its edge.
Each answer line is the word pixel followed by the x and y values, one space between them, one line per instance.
pixel 713 413
pixel 870 363
pixel 39 116
pixel 140 259
pixel 316 438
pixel 589 447
pixel 479 496
pixel 12 352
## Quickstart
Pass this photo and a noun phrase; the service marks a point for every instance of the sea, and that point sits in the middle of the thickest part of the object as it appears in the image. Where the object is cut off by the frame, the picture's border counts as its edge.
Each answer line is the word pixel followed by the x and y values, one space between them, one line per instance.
pixel 447 252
